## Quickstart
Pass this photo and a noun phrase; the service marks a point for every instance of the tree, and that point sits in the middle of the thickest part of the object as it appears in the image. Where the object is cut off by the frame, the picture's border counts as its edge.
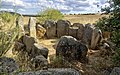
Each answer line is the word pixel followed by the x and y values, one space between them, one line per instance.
pixel 112 24
pixel 49 14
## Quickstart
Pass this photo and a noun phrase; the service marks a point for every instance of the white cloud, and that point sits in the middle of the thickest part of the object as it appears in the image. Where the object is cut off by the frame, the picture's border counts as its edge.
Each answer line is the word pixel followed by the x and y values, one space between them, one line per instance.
pixel 65 6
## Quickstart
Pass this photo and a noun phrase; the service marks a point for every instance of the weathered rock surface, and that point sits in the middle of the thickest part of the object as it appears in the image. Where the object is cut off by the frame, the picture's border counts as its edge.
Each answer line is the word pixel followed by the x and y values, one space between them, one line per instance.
pixel 62 27
pixel 20 24
pixel 40 50
pixel 96 37
pixel 115 71
pixel 51 28
pixel 87 35
pixel 40 31
pixel 28 49
pixel 29 42
pixel 76 25
pixel 80 31
pixel 56 71
pixel 39 62
pixel 73 31
pixel 70 48
pixel 32 27
pixel 7 65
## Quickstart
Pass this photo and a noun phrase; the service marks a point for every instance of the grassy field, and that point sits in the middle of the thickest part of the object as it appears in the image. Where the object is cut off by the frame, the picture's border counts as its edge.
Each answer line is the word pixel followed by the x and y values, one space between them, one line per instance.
pixel 84 19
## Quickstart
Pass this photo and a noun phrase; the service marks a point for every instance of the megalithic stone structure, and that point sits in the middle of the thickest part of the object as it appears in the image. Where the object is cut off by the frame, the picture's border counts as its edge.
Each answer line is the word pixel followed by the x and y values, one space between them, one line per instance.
pixel 96 38
pixel 20 24
pixel 32 27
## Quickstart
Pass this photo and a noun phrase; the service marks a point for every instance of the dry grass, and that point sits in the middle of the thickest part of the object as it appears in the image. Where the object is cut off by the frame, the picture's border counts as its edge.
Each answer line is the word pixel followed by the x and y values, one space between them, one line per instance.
pixel 84 19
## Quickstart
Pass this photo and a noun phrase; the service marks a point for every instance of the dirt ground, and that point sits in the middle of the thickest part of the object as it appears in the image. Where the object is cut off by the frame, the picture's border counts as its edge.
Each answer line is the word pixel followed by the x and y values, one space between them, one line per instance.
pixel 98 64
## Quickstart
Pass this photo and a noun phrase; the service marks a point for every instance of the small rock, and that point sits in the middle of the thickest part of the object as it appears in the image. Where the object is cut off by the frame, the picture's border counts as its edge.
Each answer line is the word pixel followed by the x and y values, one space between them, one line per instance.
pixel 29 42
pixel 39 62
pixel 57 71
pixel 8 65
pixel 40 50
pixel 115 71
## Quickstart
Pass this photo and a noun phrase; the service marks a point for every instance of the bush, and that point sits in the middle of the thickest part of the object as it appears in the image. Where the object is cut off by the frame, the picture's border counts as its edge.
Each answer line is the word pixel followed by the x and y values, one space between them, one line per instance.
pixel 51 14
pixel 8 31
pixel 112 24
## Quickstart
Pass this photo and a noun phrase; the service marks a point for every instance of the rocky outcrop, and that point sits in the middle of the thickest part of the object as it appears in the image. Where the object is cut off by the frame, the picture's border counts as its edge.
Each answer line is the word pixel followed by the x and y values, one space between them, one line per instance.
pixel 56 71
pixel 7 66
pixel 71 49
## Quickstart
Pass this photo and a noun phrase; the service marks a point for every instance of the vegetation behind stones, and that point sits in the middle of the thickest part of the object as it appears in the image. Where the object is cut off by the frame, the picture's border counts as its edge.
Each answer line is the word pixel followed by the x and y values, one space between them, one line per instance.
pixel 8 31
pixel 112 24
pixel 49 14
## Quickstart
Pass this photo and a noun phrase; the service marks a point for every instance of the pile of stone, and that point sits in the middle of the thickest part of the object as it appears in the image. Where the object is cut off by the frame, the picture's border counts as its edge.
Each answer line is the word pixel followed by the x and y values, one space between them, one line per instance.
pixel 27 47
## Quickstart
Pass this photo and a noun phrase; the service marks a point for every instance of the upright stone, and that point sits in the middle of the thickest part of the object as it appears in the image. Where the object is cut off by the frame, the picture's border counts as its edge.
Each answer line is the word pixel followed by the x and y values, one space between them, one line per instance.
pixel 73 31
pixel 80 31
pixel 50 28
pixel 20 24
pixel 62 27
pixel 96 37
pixel 32 27
pixel 87 35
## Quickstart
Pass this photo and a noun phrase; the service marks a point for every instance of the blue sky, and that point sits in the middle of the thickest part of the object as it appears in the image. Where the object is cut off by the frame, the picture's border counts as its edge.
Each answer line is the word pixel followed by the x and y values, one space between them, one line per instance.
pixel 65 6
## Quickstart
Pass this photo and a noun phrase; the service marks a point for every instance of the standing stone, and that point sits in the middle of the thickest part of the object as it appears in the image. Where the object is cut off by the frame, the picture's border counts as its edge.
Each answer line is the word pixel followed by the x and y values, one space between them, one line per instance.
pixel 62 27
pixel 87 35
pixel 50 28
pixel 73 31
pixel 80 31
pixel 40 31
pixel 96 37
pixel 32 27
pixel 20 24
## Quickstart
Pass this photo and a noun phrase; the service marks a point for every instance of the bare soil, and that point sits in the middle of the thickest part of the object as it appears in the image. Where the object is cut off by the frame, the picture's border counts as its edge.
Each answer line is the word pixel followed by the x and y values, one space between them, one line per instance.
pixel 98 64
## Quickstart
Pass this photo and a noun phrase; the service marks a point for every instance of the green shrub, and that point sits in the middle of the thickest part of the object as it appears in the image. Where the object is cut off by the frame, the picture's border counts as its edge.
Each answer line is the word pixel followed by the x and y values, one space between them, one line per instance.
pixel 112 24
pixel 49 14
